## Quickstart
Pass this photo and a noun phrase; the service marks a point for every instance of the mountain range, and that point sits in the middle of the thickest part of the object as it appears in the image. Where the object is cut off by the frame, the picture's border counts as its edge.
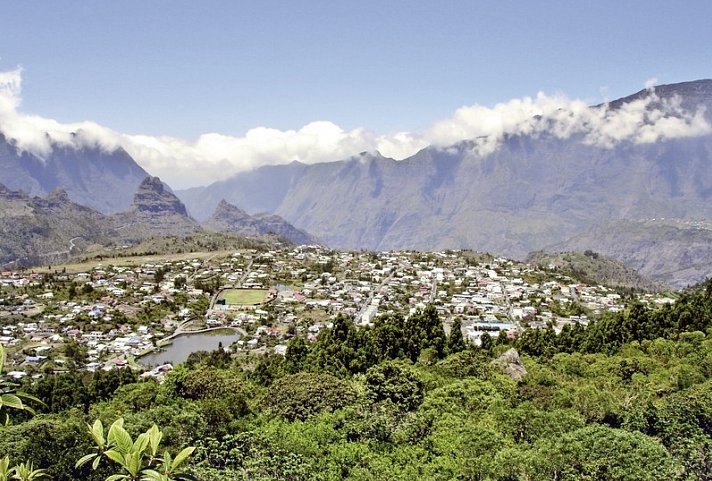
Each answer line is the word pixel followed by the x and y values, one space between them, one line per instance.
pixel 535 191
pixel 645 202
pixel 91 176
pixel 36 230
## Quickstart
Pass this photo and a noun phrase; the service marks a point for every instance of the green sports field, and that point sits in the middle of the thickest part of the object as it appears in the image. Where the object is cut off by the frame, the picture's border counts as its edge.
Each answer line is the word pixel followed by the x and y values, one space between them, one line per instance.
pixel 243 297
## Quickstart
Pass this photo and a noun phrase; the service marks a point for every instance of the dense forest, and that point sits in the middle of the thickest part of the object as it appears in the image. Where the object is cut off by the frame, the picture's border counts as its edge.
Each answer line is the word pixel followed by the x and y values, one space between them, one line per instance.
pixel 627 398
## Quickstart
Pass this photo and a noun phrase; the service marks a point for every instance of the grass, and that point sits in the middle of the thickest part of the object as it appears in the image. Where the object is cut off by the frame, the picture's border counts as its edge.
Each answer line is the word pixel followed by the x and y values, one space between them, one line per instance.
pixel 84 266
pixel 243 296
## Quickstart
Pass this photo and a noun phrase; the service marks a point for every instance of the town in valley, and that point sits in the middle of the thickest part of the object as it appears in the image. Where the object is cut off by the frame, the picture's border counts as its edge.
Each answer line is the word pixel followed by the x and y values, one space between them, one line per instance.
pixel 116 313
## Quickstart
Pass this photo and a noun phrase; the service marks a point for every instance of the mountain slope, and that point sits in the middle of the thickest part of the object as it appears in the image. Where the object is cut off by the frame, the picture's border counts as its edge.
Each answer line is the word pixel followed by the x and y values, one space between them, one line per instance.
pixel 535 190
pixel 35 231
pixel 155 211
pixel 594 268
pixel 259 190
pixel 228 218
pixel 93 177
pixel 676 252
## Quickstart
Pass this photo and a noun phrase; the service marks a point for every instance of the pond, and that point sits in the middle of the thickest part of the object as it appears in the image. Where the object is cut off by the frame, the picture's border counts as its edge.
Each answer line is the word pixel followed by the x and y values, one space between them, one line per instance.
pixel 181 346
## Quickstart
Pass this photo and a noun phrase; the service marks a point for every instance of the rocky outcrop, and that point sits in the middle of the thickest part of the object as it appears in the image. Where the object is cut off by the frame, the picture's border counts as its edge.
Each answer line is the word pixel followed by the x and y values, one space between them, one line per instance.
pixel 229 218
pixel 154 197
pixel 155 211
pixel 511 365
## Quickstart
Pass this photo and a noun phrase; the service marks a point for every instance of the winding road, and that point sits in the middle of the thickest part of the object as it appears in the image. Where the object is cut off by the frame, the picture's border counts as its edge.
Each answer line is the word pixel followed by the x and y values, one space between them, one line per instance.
pixel 72 245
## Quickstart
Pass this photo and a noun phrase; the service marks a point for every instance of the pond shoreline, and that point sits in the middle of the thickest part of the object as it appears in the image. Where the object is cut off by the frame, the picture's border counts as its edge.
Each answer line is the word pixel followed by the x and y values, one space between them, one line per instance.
pixel 166 343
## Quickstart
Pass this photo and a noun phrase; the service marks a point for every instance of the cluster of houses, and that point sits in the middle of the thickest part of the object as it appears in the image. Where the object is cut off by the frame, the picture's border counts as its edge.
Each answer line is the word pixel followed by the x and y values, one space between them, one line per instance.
pixel 117 313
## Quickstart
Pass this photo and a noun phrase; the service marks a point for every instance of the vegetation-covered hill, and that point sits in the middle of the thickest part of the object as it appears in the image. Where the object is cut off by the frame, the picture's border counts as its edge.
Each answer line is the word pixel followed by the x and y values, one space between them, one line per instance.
pixel 671 251
pixel 629 398
pixel 36 230
pixel 594 268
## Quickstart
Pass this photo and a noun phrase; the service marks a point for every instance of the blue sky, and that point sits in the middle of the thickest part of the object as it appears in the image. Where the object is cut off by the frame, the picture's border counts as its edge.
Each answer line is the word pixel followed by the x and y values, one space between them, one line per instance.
pixel 183 69
pixel 186 68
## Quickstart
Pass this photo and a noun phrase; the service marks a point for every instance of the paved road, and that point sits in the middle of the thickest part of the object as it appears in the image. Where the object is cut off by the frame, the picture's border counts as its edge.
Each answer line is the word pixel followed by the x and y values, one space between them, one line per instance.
pixel 357 319
pixel 245 274
pixel 72 245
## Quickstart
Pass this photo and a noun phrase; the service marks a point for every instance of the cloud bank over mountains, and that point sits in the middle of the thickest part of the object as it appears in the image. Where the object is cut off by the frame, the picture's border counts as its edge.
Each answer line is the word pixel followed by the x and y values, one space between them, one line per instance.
pixel 212 156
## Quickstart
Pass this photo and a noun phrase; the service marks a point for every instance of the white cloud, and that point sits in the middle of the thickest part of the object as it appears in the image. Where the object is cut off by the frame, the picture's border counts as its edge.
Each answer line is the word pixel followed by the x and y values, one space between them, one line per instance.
pixel 182 163
pixel 644 120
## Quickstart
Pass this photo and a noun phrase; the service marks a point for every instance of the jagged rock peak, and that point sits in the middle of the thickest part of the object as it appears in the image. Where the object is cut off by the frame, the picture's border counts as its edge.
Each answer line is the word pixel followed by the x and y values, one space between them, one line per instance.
pixel 225 208
pixel 154 196
pixel 152 184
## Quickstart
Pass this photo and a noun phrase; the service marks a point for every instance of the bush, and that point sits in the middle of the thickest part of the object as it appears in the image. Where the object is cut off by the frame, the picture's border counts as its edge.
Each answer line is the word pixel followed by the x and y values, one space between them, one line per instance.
pixel 298 396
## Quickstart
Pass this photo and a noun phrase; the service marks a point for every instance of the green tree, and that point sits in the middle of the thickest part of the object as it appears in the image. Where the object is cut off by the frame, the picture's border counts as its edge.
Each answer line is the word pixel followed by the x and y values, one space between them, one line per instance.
pixel 486 342
pixel 456 342
pixel 425 330
pixel 389 337
pixel 600 452
pixel 397 382
pixel 342 350
pixel 297 351
pixel 76 352
pixel 301 395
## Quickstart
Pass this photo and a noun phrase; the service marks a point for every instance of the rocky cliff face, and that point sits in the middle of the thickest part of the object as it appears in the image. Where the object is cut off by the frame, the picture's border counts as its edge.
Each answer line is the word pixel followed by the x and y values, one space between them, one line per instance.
pixel 154 197
pixel 155 211
pixel 104 181
pixel 229 218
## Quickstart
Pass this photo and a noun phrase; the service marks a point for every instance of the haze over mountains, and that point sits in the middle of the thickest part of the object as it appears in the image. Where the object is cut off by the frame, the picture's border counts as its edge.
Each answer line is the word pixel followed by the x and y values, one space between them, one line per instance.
pixel 552 182
pixel 533 191
pixel 37 230
pixel 105 181
pixel 229 218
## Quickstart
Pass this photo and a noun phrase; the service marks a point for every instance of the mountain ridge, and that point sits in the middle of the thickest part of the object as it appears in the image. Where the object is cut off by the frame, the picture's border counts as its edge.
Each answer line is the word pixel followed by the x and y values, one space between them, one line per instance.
pixel 537 188
pixel 230 218
pixel 155 211
pixel 533 191
pixel 92 176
